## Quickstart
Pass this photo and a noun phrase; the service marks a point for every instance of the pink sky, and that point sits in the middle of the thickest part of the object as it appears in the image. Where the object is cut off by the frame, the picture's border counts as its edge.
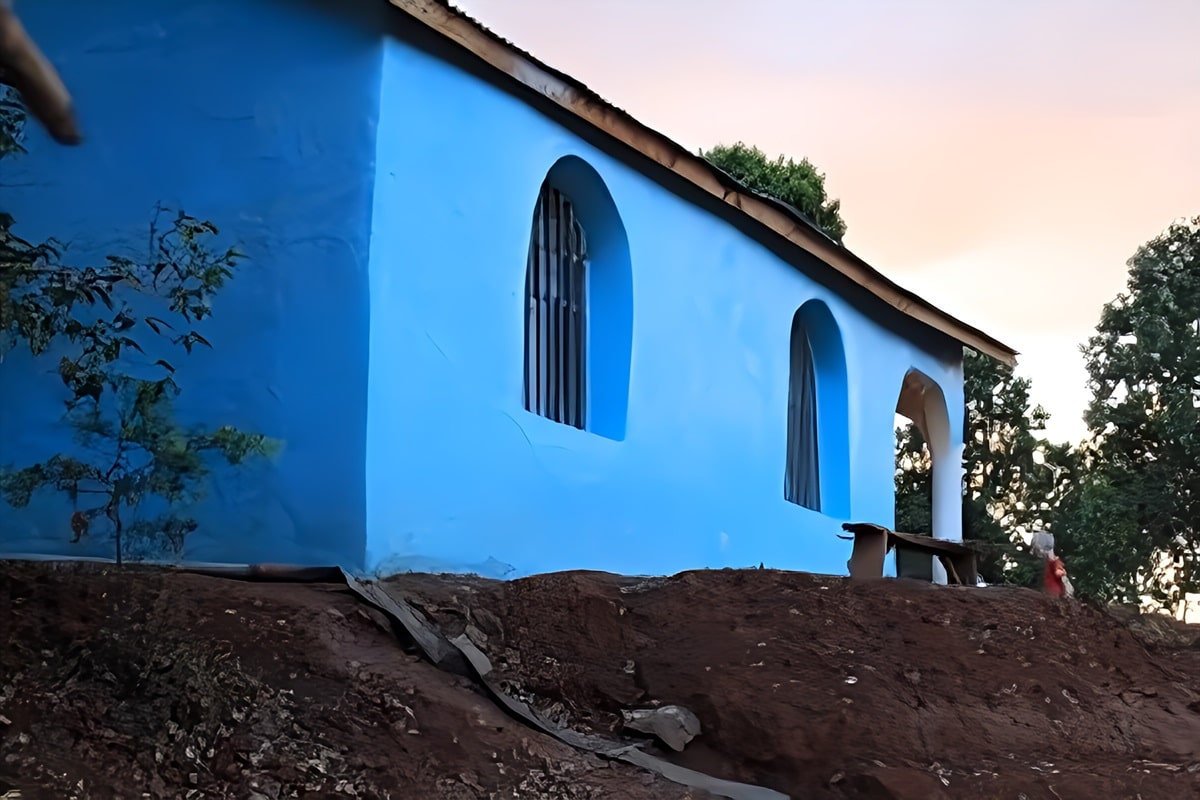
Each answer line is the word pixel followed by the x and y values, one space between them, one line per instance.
pixel 1003 160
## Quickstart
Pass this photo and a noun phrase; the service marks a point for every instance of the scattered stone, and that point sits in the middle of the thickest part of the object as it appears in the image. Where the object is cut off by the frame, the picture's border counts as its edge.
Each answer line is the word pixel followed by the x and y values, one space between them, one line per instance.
pixel 675 726
pixel 477 637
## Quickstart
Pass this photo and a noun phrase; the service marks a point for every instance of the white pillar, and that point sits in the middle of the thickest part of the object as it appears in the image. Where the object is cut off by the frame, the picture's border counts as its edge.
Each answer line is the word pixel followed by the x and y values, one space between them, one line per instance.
pixel 947 497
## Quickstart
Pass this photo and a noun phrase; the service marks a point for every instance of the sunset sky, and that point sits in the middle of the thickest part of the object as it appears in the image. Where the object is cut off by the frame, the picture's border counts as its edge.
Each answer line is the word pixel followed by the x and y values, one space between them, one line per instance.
pixel 1003 160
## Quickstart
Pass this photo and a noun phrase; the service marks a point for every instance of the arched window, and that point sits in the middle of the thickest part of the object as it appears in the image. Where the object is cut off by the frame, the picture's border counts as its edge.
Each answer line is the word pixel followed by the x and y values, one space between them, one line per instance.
pixel 556 312
pixel 817 472
pixel 578 304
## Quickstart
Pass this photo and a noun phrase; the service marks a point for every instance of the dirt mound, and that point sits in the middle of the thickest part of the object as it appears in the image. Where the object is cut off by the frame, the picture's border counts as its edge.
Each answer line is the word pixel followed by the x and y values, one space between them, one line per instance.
pixel 151 683
pixel 144 683
pixel 817 686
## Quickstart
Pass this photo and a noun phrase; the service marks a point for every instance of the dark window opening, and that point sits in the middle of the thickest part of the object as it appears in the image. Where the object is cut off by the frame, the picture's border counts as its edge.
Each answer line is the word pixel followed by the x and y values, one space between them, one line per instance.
pixel 556 313
pixel 802 483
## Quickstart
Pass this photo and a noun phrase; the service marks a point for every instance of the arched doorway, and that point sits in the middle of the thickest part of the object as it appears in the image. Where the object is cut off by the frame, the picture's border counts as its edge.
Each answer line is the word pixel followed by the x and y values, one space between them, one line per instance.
pixel 928 467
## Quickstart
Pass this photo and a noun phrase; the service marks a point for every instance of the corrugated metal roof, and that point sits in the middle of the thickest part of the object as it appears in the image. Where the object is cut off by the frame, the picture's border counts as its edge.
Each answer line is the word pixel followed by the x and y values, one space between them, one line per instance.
pixel 774 217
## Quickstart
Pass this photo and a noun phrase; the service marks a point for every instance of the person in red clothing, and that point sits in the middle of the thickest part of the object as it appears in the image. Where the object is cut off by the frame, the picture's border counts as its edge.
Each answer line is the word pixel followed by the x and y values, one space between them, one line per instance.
pixel 1055 578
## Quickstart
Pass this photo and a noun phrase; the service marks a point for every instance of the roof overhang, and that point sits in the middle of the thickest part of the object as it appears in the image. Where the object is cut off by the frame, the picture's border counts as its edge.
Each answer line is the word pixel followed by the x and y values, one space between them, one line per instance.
pixel 778 218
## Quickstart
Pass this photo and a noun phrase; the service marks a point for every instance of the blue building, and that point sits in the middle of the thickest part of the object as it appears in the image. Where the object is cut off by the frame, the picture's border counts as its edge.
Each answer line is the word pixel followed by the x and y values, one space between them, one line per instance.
pixel 496 324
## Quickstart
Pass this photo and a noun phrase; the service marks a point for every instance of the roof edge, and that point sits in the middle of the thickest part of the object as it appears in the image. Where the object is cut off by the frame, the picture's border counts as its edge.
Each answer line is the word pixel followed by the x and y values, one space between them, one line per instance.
pixel 576 99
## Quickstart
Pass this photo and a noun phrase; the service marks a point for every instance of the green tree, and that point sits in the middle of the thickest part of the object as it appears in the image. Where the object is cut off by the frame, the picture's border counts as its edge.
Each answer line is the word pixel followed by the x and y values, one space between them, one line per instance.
pixel 101 321
pixel 1101 539
pixel 1137 529
pixel 797 183
pixel 914 482
pixel 1015 480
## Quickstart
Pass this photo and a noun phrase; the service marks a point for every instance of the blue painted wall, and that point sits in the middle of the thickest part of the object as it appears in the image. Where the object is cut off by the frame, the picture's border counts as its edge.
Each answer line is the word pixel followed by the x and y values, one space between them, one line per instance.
pixel 384 198
pixel 259 115
pixel 459 476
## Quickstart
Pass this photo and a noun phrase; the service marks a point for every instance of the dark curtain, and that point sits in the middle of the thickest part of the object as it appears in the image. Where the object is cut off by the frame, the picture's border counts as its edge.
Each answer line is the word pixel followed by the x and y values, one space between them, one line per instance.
pixel 802 484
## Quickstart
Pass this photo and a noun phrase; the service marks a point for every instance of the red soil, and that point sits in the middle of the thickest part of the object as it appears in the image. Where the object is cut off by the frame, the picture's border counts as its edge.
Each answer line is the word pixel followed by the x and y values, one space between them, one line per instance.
pixel 143 682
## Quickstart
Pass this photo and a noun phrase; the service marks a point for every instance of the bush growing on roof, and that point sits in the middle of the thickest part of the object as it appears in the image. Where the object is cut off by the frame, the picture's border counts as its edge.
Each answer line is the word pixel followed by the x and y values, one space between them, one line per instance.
pixel 797 183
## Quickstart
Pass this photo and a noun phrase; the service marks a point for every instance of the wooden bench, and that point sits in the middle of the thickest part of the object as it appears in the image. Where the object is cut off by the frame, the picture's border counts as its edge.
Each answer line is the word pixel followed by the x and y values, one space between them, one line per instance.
pixel 873 542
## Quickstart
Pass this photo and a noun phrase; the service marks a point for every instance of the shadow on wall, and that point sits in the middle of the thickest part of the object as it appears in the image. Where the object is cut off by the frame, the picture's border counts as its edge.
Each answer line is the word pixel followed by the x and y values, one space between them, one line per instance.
pixel 579 289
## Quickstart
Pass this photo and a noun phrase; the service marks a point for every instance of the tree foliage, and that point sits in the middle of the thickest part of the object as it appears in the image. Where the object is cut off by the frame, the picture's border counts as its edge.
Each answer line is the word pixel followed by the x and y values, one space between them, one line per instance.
pixel 1099 535
pixel 116 329
pixel 797 183
pixel 1138 517
pixel 12 123
pixel 914 482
